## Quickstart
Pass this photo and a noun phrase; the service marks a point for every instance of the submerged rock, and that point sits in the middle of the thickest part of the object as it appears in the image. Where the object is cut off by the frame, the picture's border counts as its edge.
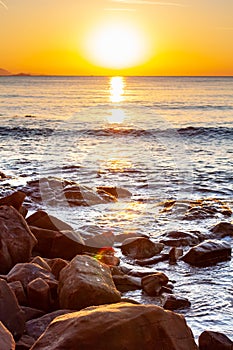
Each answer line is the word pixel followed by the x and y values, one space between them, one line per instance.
pixel 16 239
pixel 180 238
pixel 208 253
pixel 214 341
pixel 85 282
pixel 140 248
pixel 118 326
pixel 222 229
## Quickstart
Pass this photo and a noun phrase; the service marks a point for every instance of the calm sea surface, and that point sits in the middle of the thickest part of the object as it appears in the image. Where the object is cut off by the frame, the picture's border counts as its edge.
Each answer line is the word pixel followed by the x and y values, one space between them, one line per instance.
pixel 161 138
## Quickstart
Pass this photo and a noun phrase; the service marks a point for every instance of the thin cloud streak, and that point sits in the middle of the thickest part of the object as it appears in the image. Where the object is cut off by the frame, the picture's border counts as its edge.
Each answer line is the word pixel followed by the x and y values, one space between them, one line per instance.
pixel 4 5
pixel 119 9
pixel 141 2
pixel 225 28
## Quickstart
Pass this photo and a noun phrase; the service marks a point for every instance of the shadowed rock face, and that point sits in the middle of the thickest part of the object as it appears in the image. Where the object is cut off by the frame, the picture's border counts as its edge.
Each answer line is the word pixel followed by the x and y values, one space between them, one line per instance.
pixel 16 239
pixel 85 282
pixel 118 326
pixel 214 341
pixel 6 339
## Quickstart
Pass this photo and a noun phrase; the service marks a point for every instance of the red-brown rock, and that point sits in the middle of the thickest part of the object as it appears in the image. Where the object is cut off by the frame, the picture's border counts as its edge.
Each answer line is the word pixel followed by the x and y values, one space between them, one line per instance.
pixel 25 342
pixel 19 292
pixel 174 254
pixel 41 262
pixel 117 192
pixel 118 326
pixel 15 200
pixel 56 266
pixel 6 339
pixel 140 248
pixel 222 229
pixel 85 282
pixel 49 222
pixel 31 313
pixel 175 302
pixel 214 341
pixel 35 327
pixel 16 239
pixel 39 295
pixel 153 283
pixel 11 314
pixel 208 253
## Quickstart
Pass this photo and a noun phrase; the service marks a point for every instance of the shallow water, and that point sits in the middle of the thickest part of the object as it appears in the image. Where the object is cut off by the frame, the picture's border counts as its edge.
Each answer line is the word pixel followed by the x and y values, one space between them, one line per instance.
pixel 160 138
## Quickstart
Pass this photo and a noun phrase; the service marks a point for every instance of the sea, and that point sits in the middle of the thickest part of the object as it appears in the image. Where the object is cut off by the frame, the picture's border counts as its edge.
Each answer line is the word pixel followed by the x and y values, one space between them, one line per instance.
pixel 162 138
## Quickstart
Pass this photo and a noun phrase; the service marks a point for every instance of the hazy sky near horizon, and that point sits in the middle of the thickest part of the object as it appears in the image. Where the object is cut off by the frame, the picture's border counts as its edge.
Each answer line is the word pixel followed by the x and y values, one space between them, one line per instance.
pixel 134 37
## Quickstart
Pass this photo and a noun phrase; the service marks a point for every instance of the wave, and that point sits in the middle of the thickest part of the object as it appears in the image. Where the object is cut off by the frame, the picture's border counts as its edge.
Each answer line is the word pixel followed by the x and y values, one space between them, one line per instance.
pixel 190 131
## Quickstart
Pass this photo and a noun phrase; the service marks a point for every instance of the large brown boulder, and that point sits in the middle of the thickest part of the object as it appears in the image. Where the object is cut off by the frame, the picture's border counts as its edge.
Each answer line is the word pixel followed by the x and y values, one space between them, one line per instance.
pixel 16 239
pixel 49 222
pixel 140 248
pixel 15 199
pixel 6 339
pixel 11 314
pixel 85 282
pixel 118 326
pixel 214 341
pixel 208 253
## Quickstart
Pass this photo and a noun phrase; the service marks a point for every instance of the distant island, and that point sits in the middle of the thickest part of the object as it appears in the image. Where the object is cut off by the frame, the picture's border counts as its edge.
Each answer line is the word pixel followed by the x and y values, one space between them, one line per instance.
pixel 4 72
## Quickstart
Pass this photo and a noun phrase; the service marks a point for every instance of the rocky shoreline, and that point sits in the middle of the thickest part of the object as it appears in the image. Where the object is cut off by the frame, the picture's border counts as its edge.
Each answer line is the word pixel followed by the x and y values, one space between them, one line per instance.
pixel 61 290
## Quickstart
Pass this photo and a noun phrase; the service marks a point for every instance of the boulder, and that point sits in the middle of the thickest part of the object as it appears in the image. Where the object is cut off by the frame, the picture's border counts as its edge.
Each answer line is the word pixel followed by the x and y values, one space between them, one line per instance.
pixel 56 266
pixel 49 222
pixel 16 239
pixel 118 326
pixel 17 288
pixel 153 283
pixel 10 313
pixel 39 295
pixel 126 283
pixel 140 248
pixel 222 229
pixel 208 253
pixel 31 313
pixel 6 339
pixel 27 272
pixel 175 302
pixel 37 326
pixel 85 282
pixel 96 236
pixel 154 260
pixel 214 341
pixel 41 262
pixel 15 200
pixel 180 238
pixel 60 244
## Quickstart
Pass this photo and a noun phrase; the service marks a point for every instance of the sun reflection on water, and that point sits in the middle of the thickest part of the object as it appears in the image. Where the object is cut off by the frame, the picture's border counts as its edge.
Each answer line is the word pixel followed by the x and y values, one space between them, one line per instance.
pixel 116 89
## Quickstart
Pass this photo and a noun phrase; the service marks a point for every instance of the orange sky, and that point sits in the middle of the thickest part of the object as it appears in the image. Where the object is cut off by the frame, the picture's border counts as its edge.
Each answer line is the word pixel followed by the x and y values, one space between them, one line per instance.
pixel 123 37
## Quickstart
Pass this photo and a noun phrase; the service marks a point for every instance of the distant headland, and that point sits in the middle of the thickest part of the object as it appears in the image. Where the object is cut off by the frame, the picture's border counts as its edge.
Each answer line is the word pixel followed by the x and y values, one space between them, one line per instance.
pixel 5 72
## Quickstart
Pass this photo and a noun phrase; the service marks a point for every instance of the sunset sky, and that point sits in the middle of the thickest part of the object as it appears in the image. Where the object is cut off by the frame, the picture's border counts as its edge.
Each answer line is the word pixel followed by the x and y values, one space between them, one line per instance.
pixel 123 37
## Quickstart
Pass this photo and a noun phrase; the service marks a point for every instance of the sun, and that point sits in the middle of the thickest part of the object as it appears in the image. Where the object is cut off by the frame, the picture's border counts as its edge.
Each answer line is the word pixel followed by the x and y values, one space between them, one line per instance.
pixel 116 45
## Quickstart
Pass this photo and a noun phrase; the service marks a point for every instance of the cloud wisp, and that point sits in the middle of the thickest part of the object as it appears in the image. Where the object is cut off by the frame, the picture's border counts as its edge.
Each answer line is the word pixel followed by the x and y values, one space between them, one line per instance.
pixel 119 9
pixel 147 2
pixel 4 5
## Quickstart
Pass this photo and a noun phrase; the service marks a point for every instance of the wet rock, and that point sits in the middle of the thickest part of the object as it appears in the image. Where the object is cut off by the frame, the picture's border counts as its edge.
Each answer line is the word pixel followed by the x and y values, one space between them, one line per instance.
pixel 114 191
pixel 25 342
pixel 179 238
pixel 140 248
pixel 119 238
pixel 27 272
pixel 6 339
pixel 19 292
pixel 126 283
pixel 214 341
pixel 153 283
pixel 154 260
pixel 222 229
pixel 41 262
pixel 49 222
pixel 3 176
pixel 175 302
pixel 106 256
pixel 208 253
pixel 16 239
pixel 35 327
pixel 15 200
pixel 204 209
pixel 174 254
pixel 96 236
pixel 85 282
pixel 11 314
pixel 55 244
pixel 139 326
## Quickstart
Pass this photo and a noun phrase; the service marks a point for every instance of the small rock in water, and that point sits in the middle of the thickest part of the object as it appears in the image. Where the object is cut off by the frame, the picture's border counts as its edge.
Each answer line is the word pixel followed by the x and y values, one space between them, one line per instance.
pixel 208 253
pixel 214 341
pixel 175 302
pixel 152 284
pixel 179 238
pixel 222 229
pixel 140 248
pixel 174 254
